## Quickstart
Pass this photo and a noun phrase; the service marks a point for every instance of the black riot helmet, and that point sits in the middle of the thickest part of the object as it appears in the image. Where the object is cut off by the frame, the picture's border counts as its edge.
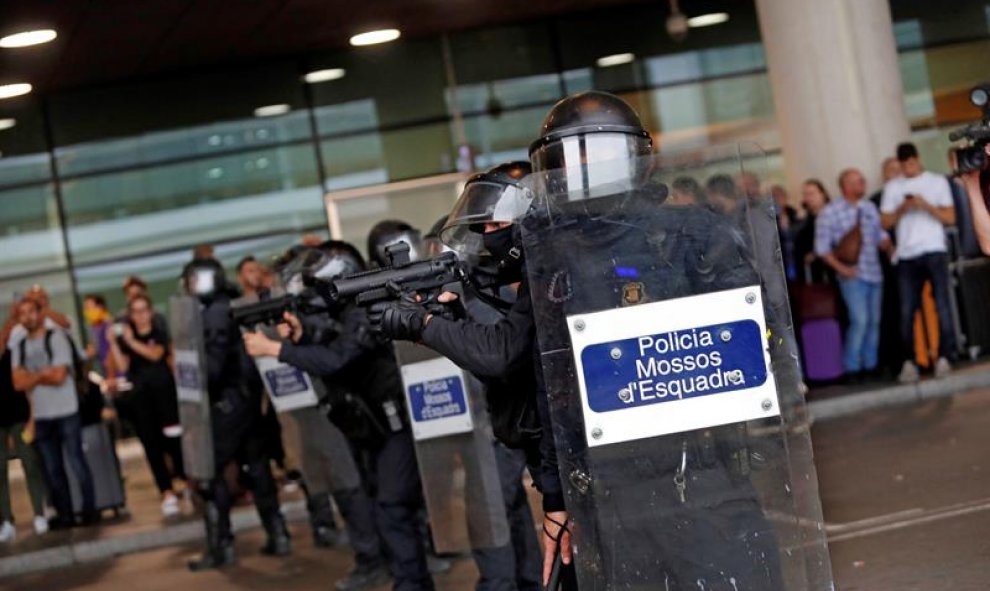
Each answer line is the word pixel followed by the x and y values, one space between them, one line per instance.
pixel 204 278
pixel 497 196
pixel 589 127
pixel 591 144
pixel 327 261
pixel 389 232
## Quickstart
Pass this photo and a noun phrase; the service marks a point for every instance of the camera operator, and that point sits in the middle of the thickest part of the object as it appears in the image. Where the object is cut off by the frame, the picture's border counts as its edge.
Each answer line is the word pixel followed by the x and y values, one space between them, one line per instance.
pixel 366 401
pixel 977 184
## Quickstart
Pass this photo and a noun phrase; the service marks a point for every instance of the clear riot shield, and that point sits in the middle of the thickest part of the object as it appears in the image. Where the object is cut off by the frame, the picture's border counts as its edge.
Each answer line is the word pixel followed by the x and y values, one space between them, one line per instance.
pixel 672 376
pixel 288 387
pixel 326 458
pixel 186 323
pixel 454 449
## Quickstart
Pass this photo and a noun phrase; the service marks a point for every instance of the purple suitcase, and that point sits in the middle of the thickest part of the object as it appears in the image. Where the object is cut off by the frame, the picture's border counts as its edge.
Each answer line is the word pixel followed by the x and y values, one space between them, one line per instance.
pixel 821 342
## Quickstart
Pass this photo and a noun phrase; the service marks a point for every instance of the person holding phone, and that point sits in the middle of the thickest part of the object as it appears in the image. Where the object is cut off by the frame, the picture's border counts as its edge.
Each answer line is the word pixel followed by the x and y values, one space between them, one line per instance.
pixel 140 347
pixel 918 206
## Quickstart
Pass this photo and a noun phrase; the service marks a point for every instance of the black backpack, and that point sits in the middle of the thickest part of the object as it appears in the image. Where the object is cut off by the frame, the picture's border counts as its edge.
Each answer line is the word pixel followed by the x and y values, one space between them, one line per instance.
pixel 90 397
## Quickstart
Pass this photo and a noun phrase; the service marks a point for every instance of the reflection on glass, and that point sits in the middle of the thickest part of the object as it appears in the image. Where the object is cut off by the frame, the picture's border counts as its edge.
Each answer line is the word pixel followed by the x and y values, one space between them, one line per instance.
pixel 15 170
pixel 30 239
pixel 144 210
pixel 419 205
pixel 204 140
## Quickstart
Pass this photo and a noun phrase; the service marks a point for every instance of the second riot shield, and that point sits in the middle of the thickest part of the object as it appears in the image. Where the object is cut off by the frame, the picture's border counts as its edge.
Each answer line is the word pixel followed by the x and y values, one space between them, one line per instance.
pixel 455 451
pixel 309 437
pixel 186 323
pixel 671 375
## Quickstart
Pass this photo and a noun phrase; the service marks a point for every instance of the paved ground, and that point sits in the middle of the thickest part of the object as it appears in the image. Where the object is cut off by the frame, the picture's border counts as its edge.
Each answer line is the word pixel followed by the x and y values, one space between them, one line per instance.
pixel 906 493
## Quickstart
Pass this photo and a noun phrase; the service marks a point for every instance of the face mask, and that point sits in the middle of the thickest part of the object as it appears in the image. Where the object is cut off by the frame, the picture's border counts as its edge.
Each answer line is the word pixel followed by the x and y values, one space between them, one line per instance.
pixel 501 245
pixel 94 316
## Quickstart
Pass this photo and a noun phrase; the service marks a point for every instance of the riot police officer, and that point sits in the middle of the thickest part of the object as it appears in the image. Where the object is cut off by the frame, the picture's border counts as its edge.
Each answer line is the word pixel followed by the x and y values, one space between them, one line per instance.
pixel 494 471
pixel 603 237
pixel 235 411
pixel 366 403
pixel 502 354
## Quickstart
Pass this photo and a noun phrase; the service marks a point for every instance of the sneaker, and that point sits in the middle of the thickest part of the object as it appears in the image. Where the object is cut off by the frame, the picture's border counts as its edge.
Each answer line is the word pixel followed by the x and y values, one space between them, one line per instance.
pixel 909 373
pixel 40 525
pixel 942 367
pixel 362 578
pixel 7 532
pixel 170 506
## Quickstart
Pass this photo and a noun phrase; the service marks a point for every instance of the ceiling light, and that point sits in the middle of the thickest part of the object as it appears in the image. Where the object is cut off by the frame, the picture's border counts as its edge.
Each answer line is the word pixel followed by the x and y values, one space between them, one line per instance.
pixel 7 123
pixel 28 38
pixel 374 37
pixel 270 110
pixel 324 75
pixel 12 90
pixel 616 59
pixel 707 20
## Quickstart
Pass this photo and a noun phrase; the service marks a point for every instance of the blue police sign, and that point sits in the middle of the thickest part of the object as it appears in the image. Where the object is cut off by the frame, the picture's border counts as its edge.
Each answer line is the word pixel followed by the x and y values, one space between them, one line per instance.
pixel 285 380
pixel 437 399
pixel 659 368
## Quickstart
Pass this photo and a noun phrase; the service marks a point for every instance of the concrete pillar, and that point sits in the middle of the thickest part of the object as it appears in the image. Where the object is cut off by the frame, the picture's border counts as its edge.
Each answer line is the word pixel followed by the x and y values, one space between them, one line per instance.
pixel 836 85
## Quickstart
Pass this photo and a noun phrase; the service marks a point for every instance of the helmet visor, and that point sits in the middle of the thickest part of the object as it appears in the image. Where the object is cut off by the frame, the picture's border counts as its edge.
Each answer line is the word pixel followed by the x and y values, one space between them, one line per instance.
pixel 482 202
pixel 588 164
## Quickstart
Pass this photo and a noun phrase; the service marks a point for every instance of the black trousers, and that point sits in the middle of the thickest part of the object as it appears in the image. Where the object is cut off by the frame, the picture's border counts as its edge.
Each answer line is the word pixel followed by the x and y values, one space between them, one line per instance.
pixel 392 475
pixel 238 438
pixel 147 409
pixel 518 565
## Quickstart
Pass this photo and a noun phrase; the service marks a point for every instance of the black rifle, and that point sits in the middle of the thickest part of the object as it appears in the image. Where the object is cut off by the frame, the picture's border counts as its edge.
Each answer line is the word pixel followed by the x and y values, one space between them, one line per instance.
pixel 401 276
pixel 271 311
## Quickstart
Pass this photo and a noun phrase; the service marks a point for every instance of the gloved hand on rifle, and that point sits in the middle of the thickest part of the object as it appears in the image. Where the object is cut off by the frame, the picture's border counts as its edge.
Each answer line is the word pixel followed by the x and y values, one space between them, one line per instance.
pixel 405 318
pixel 402 320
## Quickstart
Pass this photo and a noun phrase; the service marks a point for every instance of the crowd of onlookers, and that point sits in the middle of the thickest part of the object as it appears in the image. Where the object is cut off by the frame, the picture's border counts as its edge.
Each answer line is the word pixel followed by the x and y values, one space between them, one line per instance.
pixel 50 390
pixel 864 261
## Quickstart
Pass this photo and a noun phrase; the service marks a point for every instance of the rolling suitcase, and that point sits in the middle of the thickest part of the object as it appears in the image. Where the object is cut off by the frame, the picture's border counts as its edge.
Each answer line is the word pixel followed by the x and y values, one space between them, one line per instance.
pixel 102 459
pixel 926 335
pixel 821 344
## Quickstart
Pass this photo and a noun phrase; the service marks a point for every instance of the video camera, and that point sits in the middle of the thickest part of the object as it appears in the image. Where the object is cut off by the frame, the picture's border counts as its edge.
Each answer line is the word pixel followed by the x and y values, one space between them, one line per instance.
pixel 973 156
pixel 401 276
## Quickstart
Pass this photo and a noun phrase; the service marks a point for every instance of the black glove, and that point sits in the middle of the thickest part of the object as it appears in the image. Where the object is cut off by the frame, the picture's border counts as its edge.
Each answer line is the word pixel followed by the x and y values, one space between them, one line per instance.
pixel 454 310
pixel 401 320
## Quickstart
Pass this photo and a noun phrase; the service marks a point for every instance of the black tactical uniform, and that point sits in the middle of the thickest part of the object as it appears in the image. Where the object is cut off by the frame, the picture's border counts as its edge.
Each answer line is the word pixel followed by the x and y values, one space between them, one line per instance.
pixel 235 393
pixel 366 403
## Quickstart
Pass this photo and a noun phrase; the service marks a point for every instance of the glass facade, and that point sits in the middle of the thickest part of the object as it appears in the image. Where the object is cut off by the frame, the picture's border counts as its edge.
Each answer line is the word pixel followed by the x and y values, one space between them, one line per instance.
pixel 101 183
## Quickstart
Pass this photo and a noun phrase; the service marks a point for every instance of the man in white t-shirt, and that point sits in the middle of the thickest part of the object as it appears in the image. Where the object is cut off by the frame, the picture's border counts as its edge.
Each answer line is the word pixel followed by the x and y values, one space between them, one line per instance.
pixel 918 205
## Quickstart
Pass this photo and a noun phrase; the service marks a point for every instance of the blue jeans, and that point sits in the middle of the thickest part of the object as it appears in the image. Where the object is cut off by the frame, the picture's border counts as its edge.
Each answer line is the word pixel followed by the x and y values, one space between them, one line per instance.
pixel 911 276
pixel 863 301
pixel 53 435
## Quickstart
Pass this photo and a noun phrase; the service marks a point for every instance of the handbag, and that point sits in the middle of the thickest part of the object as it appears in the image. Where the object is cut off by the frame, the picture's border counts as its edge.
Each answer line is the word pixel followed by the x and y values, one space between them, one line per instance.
pixel 815 300
pixel 849 246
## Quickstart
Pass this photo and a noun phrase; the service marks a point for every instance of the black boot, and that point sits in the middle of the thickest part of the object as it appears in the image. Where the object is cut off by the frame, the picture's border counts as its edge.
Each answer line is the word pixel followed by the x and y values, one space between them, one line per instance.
pixel 219 542
pixel 325 532
pixel 278 543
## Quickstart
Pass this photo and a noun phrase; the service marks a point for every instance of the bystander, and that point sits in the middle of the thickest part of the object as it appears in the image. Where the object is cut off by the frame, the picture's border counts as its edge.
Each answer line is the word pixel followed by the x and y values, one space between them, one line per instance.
pixel 860 278
pixel 42 366
pixel 919 206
